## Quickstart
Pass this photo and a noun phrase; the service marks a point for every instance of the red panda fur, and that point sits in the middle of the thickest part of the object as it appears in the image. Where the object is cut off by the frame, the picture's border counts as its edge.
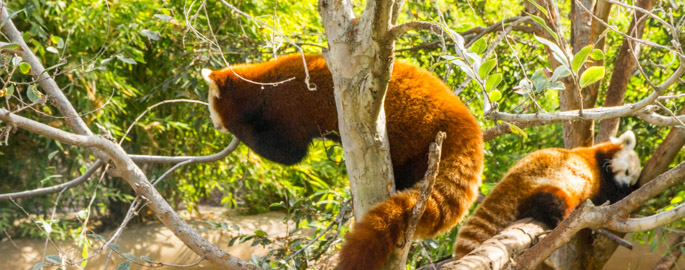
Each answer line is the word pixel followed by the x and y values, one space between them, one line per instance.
pixel 279 121
pixel 548 184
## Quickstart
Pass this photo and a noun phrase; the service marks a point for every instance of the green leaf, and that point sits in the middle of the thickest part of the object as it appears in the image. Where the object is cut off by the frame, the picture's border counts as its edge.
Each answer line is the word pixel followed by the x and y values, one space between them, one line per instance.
pixel 9 91
pixel 151 34
pixel 557 53
pixel 580 57
pixel 560 72
pixel 591 75
pixel 51 155
pixel 495 95
pixel 556 85
pixel 597 54
pixel 163 17
pixel 38 266
pixel 486 67
pixel 16 60
pixel 479 46
pixel 4 21
pixel 130 257
pixel 124 266
pixel 10 46
pixel 517 130
pixel 126 59
pixel 96 236
pixel 464 67
pixel 540 8
pixel 260 233
pixel 57 41
pixel 114 247
pixel 54 259
pixel 147 259
pixel 33 94
pixel 493 81
pixel 84 254
pixel 541 22
pixel 24 68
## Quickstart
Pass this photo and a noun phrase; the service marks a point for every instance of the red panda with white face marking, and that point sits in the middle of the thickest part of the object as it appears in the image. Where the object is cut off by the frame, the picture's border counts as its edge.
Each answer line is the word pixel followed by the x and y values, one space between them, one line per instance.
pixel 548 184
pixel 279 121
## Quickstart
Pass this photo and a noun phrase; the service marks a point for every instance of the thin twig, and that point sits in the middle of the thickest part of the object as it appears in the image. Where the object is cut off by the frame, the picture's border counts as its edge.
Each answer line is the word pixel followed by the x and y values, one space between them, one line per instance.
pixel 53 189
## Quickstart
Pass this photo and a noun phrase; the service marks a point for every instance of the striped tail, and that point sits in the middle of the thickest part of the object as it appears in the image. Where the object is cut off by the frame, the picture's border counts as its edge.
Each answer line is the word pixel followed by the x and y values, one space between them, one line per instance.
pixel 489 218
pixel 372 239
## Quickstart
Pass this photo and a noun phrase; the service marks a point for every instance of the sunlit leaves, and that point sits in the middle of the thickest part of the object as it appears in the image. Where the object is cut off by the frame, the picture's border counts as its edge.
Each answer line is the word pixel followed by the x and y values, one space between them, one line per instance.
pixel 597 54
pixel 540 8
pixel 542 23
pixel 486 67
pixel 479 46
pixel 580 57
pixel 493 81
pixel 495 95
pixel 24 68
pixel 126 60
pixel 153 35
pixel 557 53
pixel 10 46
pixel 517 130
pixel 163 17
pixel 33 94
pixel 591 75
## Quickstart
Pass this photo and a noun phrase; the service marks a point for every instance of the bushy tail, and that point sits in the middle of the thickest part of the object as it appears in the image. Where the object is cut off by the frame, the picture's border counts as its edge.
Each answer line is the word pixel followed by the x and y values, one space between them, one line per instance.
pixel 372 238
pixel 489 218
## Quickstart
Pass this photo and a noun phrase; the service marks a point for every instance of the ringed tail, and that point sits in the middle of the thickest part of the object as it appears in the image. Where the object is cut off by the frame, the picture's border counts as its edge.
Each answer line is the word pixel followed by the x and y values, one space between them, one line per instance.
pixel 372 239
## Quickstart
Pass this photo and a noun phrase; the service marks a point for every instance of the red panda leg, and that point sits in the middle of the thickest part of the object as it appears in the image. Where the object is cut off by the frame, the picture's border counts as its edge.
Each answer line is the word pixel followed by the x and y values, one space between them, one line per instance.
pixel 549 205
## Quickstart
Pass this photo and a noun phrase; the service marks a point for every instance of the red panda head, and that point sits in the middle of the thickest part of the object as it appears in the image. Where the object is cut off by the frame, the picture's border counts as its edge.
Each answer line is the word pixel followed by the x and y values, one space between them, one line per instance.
pixel 625 164
pixel 214 95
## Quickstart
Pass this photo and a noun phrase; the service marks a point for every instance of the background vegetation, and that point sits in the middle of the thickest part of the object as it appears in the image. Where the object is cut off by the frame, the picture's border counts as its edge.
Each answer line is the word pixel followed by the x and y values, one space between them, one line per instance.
pixel 115 59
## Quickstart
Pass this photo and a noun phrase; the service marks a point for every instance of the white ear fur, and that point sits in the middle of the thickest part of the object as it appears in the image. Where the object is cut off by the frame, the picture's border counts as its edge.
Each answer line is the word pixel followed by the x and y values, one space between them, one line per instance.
pixel 213 88
pixel 627 139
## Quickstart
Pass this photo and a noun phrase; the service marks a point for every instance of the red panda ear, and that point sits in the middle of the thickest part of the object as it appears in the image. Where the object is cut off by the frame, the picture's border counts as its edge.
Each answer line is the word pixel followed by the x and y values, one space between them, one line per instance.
pixel 213 88
pixel 627 139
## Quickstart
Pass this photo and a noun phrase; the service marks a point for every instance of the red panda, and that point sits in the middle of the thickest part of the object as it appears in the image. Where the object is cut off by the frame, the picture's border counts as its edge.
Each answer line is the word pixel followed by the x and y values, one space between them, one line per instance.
pixel 279 121
pixel 548 184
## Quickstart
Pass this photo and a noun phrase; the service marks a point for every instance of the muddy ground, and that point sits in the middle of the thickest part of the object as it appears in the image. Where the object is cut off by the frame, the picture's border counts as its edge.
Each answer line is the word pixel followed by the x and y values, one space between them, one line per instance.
pixel 157 242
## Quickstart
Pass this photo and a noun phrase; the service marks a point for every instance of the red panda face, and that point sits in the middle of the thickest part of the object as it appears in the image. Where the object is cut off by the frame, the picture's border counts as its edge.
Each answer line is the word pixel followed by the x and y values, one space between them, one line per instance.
pixel 213 96
pixel 625 164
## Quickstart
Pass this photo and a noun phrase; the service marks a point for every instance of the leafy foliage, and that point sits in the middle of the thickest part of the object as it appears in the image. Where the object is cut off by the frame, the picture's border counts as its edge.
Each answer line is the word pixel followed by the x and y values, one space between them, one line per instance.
pixel 115 59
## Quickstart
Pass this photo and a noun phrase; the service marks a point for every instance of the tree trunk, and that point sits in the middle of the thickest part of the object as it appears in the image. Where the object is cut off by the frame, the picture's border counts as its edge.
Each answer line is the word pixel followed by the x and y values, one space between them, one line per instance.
pixel 361 61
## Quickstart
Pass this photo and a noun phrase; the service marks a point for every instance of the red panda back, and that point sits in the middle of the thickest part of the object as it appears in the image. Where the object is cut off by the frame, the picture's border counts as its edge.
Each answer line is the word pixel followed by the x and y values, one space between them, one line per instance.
pixel 546 185
pixel 279 121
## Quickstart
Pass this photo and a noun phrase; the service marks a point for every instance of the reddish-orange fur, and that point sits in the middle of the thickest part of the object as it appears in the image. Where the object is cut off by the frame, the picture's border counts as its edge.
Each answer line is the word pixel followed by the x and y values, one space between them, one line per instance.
pixel 569 176
pixel 417 106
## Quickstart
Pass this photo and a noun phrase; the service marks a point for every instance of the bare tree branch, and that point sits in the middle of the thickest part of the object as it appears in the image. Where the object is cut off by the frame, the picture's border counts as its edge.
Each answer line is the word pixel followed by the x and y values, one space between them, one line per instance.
pixel 647 223
pixel 497 251
pixel 595 113
pixel 126 169
pixel 195 159
pixel 398 260
pixel 398 30
pixel 202 159
pixel 57 188
pixel 475 33
pixel 505 128
pixel 53 91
